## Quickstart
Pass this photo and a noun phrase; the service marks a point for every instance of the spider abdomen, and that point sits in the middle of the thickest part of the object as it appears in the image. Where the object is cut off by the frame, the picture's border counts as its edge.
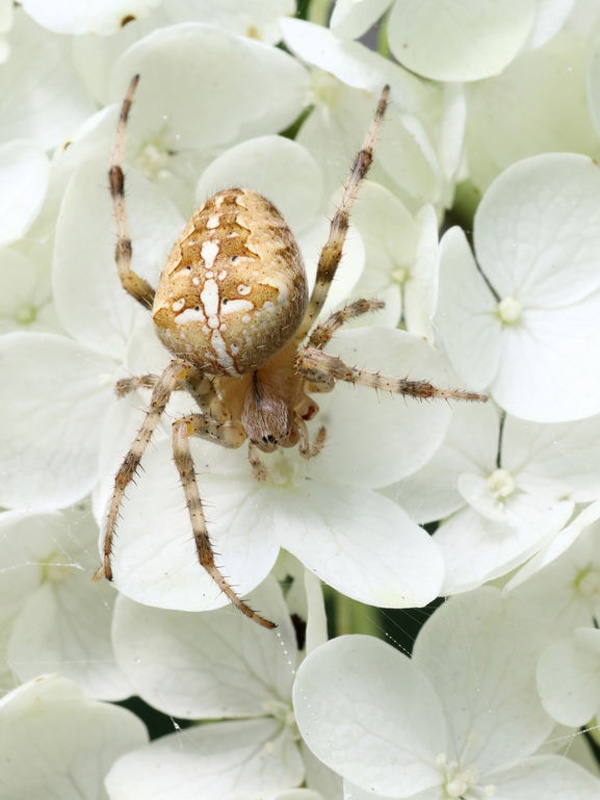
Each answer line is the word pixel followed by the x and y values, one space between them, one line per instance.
pixel 234 288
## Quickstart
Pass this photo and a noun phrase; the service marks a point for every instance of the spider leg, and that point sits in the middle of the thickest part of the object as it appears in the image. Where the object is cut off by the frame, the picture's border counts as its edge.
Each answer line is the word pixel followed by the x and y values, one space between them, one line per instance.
pixel 259 470
pixel 319 366
pixel 198 425
pixel 136 286
pixel 125 386
pixel 332 250
pixel 306 448
pixel 322 333
pixel 171 379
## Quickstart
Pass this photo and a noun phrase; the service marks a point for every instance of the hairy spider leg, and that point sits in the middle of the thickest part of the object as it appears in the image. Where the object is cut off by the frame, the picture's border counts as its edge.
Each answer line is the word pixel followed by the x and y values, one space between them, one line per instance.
pixel 331 253
pixel 134 284
pixel 317 366
pixel 183 429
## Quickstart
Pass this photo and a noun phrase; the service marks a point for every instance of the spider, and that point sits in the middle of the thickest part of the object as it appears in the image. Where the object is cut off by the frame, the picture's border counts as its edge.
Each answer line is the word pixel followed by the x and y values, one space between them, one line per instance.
pixel 233 307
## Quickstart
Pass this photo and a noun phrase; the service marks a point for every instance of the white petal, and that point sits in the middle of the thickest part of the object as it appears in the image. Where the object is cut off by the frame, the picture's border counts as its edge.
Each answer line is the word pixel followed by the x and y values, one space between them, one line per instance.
pixel 69 16
pixel 470 446
pixel 480 652
pixel 257 20
pixel 458 41
pixel 250 759
pixel 465 319
pixel 42 98
pixel 544 373
pixel 66 628
pixel 369 714
pixel 550 18
pixel 24 293
pixel 352 62
pixel 220 664
pixel 547 87
pixel 565 593
pixel 535 233
pixel 561 458
pixel 360 543
pixel 353 18
pixel 280 169
pixel 477 549
pixel 50 423
pixel 23 182
pixel 390 235
pixel 24 538
pixel 569 677
pixel 56 743
pixel 265 86
pixel 544 776
pixel 558 545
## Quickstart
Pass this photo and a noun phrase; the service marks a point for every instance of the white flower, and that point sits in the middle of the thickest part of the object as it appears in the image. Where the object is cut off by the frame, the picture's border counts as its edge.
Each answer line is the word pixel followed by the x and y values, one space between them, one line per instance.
pixel 57 743
pixel 461 719
pixel 214 666
pixel 56 619
pixel 503 489
pixel 401 251
pixel 420 121
pixel 568 590
pixel 525 318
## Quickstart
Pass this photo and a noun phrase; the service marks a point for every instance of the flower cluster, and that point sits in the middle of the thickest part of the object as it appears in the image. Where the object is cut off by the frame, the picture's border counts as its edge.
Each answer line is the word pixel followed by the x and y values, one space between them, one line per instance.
pixel 479 228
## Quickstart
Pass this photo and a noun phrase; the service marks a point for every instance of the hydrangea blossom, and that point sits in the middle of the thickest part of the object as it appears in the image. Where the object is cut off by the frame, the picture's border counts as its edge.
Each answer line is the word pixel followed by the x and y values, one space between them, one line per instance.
pixel 422 139
pixel 460 719
pixel 503 488
pixel 524 316
pixel 54 618
pixel 56 742
pixel 474 712
pixel 218 668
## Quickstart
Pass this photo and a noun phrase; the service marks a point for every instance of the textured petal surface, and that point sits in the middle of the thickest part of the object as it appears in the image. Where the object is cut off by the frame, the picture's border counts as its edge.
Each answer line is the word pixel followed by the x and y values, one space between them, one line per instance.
pixel 228 760
pixel 211 665
pixel 479 651
pixel 371 715
pixel 49 428
pixel 458 40
pixel 42 726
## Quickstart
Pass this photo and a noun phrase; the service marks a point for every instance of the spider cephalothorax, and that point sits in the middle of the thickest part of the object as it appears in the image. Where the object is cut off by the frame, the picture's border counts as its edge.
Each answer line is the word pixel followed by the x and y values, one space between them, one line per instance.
pixel 232 306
